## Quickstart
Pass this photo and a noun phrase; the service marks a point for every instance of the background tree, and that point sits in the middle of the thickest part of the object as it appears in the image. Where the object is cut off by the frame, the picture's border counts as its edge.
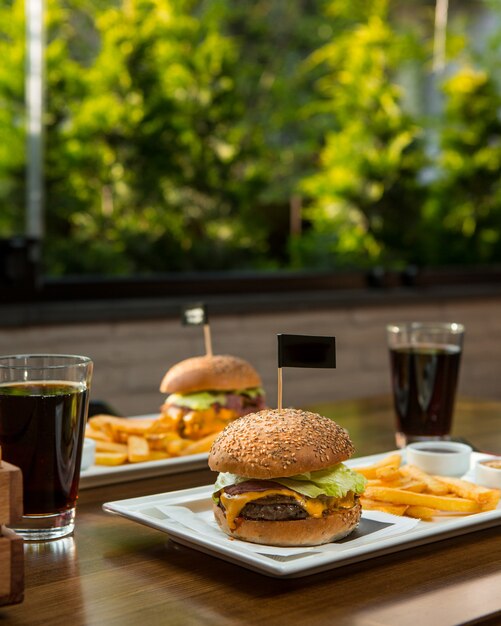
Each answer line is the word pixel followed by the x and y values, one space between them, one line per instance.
pixel 366 198
pixel 149 161
pixel 179 131
pixel 175 145
pixel 463 212
pixel 12 123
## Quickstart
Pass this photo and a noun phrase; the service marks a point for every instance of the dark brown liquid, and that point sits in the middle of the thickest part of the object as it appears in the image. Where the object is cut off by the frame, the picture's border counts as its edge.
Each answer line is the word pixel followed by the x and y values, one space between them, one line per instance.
pixel 41 430
pixel 424 386
pixel 438 450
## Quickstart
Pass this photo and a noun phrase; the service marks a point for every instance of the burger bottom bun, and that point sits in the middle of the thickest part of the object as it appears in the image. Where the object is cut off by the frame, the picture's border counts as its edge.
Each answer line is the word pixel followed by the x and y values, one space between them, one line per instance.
pixel 311 531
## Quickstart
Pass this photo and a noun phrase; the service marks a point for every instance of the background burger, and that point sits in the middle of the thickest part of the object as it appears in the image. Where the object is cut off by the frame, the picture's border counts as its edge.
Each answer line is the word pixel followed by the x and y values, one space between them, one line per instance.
pixel 208 392
pixel 282 479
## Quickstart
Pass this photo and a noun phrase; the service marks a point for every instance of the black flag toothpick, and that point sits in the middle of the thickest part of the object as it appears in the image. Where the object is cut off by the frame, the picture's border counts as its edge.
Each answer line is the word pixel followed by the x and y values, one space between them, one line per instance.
pixel 304 351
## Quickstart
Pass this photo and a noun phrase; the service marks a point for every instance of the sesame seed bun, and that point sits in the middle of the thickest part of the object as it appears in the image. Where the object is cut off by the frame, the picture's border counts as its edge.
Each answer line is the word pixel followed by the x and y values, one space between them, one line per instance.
pixel 279 443
pixel 306 532
pixel 202 373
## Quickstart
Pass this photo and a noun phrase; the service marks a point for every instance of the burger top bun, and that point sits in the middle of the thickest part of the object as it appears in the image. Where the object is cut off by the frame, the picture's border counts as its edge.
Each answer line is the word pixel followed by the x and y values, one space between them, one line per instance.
pixel 278 443
pixel 202 373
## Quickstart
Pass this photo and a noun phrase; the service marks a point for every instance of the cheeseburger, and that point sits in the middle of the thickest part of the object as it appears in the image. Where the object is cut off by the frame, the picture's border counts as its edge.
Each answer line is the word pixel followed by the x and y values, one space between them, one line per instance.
pixel 208 392
pixel 283 481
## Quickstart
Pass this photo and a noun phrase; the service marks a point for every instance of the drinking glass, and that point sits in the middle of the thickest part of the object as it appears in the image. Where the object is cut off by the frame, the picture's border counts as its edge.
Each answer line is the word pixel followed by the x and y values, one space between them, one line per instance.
pixel 424 360
pixel 43 410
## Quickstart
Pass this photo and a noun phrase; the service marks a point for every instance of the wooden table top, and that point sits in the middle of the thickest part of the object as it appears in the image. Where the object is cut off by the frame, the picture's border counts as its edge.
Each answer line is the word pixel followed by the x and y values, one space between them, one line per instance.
pixel 115 571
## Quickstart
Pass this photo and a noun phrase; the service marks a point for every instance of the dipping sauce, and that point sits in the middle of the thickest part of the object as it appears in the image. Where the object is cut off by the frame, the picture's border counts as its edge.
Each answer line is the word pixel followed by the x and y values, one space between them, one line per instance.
pixel 494 464
pixel 439 450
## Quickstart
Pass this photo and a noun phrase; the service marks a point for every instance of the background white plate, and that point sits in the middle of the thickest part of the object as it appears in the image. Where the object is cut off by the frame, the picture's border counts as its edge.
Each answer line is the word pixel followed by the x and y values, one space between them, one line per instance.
pixel 186 516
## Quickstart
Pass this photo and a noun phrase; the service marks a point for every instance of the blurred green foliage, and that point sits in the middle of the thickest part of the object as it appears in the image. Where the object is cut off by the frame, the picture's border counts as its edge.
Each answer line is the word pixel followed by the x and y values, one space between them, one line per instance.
pixel 365 197
pixel 463 210
pixel 12 122
pixel 179 133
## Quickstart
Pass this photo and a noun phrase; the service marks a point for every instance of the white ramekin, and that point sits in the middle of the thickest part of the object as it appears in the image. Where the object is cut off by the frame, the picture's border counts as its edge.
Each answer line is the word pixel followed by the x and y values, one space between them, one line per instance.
pixel 444 458
pixel 486 475
pixel 88 453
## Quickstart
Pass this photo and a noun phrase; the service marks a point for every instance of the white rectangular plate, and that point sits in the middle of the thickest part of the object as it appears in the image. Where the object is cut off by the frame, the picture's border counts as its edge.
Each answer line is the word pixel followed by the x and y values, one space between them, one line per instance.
pixel 186 516
pixel 98 475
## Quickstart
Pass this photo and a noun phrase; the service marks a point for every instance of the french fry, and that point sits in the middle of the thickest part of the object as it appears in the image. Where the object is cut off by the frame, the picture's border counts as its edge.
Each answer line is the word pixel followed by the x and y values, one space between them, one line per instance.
pixel 421 495
pixel 176 447
pixel 103 423
pixel 164 424
pixel 134 440
pixel 421 512
pixel 97 435
pixel 202 445
pixel 158 455
pixel 110 458
pixel 386 507
pixel 122 430
pixel 161 441
pixel 490 506
pixel 389 472
pixel 443 503
pixel 138 449
pixel 370 471
pixel 111 446
pixel 486 497
pixel 433 485
pixel 97 421
pixel 399 483
pixel 378 482
pixel 413 485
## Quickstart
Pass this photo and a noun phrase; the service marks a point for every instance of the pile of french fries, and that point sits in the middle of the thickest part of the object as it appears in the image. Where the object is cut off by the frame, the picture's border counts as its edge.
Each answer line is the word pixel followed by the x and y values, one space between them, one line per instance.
pixel 122 440
pixel 408 490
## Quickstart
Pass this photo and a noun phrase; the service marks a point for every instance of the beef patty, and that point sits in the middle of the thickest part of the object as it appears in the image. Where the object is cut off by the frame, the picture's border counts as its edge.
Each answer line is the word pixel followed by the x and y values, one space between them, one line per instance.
pixel 274 509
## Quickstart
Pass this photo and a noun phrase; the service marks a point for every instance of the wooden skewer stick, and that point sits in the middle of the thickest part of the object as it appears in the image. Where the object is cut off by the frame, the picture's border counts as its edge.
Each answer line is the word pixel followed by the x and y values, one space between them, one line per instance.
pixel 208 340
pixel 279 387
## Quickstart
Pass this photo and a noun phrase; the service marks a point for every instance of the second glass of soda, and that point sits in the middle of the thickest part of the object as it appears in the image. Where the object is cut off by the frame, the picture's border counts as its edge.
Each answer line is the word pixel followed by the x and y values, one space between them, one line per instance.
pixel 424 359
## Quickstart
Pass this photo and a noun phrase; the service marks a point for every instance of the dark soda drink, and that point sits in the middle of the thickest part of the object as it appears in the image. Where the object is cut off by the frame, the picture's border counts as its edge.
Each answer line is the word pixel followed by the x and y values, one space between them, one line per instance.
pixel 40 426
pixel 424 383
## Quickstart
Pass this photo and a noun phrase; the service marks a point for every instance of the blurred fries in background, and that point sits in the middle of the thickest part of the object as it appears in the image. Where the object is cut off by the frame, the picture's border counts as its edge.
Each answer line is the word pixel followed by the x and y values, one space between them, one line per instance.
pixel 122 440
pixel 407 490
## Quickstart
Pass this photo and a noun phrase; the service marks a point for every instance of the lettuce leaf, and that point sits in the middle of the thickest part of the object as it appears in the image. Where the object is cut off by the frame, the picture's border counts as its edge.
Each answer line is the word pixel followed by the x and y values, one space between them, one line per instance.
pixel 334 482
pixel 198 401
pixel 251 392
pixel 202 400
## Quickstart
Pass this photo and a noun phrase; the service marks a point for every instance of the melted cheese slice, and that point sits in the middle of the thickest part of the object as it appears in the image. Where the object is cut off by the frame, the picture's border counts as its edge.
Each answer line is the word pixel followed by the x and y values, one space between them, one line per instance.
pixel 197 424
pixel 313 506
